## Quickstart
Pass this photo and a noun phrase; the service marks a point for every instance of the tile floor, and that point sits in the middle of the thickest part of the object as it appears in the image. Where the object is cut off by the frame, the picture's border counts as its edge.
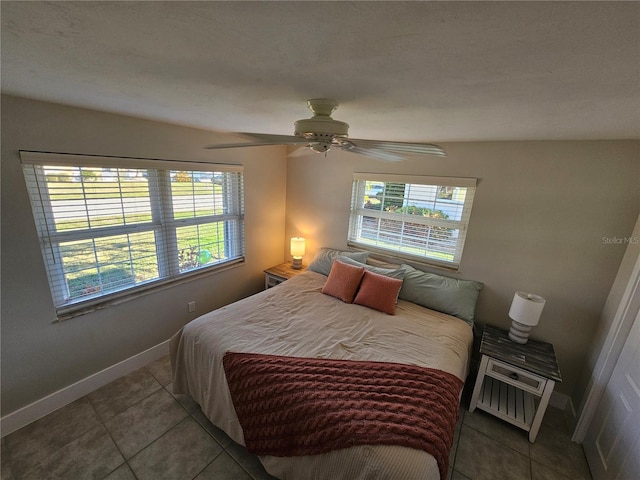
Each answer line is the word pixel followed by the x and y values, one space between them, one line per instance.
pixel 135 428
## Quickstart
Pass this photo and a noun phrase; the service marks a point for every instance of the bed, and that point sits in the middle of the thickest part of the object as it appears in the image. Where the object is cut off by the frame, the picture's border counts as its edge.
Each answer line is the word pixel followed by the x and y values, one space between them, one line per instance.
pixel 295 320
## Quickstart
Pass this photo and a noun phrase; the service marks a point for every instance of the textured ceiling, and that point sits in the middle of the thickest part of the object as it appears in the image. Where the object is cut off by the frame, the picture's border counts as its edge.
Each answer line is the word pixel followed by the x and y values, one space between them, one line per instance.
pixel 422 71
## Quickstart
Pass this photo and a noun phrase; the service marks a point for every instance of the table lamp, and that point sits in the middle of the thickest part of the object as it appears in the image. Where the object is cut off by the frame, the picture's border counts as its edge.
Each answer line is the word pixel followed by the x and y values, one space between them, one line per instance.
pixel 525 312
pixel 297 251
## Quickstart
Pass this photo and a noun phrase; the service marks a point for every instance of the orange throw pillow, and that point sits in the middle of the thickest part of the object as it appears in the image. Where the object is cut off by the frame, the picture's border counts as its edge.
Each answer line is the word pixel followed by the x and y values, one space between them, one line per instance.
pixel 379 292
pixel 343 281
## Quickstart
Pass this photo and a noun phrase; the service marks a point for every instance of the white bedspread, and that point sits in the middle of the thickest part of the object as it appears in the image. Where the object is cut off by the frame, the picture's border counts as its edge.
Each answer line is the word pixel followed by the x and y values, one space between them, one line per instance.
pixel 295 319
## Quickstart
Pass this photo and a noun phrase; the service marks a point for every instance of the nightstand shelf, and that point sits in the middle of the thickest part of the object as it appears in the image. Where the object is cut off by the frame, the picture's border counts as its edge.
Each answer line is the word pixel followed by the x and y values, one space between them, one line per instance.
pixel 507 402
pixel 515 381
pixel 280 273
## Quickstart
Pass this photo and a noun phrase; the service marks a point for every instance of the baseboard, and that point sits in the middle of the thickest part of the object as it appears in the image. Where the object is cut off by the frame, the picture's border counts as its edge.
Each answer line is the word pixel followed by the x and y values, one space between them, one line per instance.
pixel 563 402
pixel 38 409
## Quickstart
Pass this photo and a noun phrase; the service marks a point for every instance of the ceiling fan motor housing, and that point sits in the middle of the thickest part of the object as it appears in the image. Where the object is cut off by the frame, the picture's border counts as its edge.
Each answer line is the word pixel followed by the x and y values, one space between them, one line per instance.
pixel 321 127
pixel 320 131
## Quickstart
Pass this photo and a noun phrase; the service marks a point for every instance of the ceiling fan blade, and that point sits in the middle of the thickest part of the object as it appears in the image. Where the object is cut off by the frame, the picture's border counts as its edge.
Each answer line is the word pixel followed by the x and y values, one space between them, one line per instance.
pixel 277 139
pixel 236 145
pixel 261 139
pixel 400 147
pixel 348 146
pixel 375 153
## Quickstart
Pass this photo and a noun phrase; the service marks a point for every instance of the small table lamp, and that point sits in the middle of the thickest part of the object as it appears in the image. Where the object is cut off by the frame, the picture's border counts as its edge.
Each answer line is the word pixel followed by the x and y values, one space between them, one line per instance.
pixel 297 251
pixel 525 312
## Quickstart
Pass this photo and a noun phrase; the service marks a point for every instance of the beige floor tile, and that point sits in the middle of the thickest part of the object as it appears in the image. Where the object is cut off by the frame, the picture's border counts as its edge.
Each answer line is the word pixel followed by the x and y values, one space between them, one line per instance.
pixel 556 419
pixel 221 437
pixel 224 468
pixel 458 476
pixel 161 370
pixel 180 454
pixel 5 463
pixel 542 472
pixel 555 449
pixel 482 458
pixel 123 472
pixel 120 394
pixel 142 423
pixel 499 430
pixel 44 437
pixel 93 455
pixel 188 403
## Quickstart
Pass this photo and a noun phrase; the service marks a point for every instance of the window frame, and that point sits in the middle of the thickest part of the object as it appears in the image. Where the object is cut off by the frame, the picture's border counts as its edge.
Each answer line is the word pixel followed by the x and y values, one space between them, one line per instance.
pixel 163 224
pixel 357 212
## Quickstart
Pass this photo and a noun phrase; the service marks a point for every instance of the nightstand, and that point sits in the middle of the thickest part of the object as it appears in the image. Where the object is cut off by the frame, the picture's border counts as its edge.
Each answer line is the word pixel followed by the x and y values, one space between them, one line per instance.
pixel 515 381
pixel 276 275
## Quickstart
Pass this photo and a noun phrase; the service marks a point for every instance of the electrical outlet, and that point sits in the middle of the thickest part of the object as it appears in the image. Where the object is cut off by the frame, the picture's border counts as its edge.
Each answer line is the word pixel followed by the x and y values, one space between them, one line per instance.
pixel 192 306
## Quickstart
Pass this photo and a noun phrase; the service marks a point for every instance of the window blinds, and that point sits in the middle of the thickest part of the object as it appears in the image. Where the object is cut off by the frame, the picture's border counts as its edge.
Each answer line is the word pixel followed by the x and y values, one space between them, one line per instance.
pixel 110 226
pixel 416 217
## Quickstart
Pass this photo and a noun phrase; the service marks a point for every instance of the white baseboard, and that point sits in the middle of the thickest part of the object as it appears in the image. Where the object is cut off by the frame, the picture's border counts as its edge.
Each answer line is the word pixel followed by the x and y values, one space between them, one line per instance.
pixel 563 402
pixel 38 409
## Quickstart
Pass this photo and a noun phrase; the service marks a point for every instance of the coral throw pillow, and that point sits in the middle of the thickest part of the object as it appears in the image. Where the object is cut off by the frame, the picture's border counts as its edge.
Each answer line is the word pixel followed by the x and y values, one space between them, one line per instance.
pixel 343 281
pixel 379 292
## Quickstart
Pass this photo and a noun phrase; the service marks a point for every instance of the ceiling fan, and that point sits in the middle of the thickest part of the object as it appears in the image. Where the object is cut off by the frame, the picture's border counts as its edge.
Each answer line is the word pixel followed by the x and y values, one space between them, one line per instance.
pixel 320 133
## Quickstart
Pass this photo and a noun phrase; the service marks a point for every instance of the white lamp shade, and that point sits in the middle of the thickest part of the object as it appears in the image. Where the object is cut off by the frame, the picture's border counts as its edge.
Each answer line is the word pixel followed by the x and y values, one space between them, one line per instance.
pixel 526 308
pixel 297 247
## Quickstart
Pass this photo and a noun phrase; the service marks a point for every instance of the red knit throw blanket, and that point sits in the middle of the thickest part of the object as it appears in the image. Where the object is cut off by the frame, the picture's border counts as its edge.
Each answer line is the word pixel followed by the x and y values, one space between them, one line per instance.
pixel 290 406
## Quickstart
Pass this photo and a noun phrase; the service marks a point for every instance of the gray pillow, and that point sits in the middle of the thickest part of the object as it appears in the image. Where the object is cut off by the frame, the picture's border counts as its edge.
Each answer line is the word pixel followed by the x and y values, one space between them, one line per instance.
pixel 444 294
pixel 388 272
pixel 323 260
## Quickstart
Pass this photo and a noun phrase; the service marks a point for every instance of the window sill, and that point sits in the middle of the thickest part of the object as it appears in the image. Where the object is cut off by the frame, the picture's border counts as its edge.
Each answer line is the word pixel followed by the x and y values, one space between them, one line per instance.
pixel 123 297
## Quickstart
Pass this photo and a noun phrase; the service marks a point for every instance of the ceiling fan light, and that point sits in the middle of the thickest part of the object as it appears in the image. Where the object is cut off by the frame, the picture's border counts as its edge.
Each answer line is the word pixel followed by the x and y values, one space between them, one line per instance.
pixel 320 147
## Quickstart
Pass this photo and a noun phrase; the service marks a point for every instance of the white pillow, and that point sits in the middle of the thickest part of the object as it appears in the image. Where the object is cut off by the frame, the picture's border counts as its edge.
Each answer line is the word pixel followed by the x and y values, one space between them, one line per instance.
pixel 387 272
pixel 323 260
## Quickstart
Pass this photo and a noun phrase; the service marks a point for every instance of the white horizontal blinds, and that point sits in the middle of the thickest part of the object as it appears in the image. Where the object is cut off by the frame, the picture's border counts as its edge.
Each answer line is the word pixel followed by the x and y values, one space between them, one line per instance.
pixel 96 228
pixel 208 209
pixel 233 192
pixel 107 229
pixel 424 217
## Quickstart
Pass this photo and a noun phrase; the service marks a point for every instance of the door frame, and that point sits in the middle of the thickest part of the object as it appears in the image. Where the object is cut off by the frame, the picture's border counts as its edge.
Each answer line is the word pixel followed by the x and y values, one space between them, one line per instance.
pixel 610 352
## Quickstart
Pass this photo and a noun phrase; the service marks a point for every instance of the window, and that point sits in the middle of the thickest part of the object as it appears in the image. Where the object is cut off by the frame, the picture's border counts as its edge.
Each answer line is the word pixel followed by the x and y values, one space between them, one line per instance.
pixel 110 226
pixel 420 218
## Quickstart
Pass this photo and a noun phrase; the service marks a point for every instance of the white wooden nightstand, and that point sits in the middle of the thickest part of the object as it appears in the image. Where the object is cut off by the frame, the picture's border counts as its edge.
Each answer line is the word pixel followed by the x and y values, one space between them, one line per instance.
pixel 515 381
pixel 279 273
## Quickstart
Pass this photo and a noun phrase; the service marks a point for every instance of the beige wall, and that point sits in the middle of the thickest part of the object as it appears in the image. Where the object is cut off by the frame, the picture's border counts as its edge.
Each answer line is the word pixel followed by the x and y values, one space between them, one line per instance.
pixel 540 212
pixel 39 356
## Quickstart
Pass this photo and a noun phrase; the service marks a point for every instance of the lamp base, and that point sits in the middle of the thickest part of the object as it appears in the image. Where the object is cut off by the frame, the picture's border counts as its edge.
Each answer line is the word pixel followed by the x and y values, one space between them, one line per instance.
pixel 297 263
pixel 519 333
